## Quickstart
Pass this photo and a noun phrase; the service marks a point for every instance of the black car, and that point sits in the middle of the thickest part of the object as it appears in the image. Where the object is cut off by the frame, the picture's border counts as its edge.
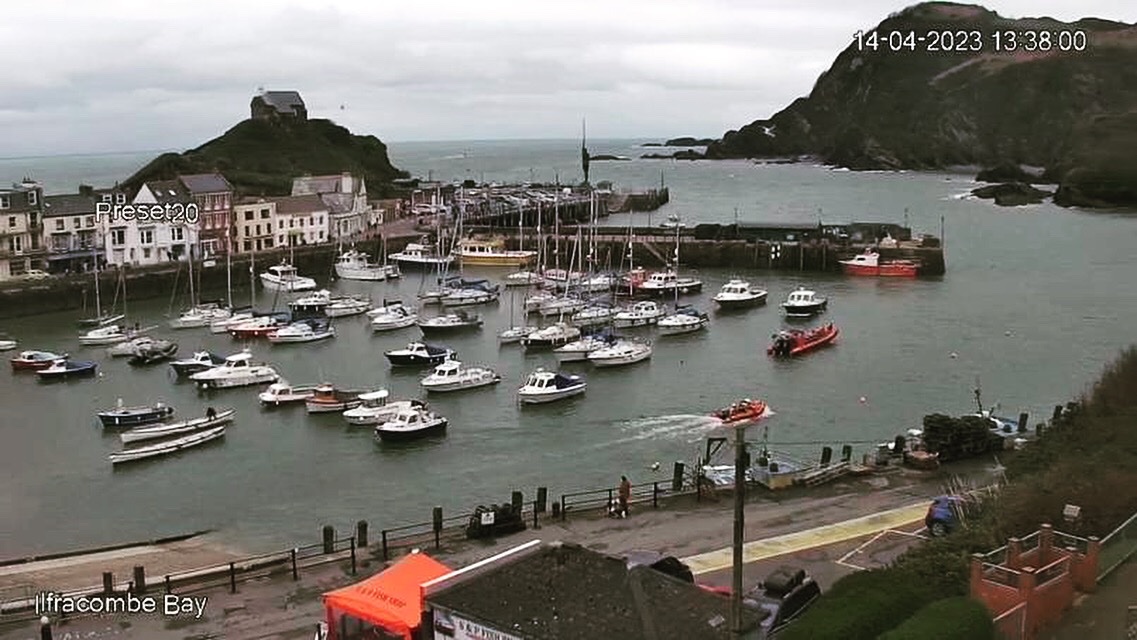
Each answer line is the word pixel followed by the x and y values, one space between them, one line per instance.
pixel 784 595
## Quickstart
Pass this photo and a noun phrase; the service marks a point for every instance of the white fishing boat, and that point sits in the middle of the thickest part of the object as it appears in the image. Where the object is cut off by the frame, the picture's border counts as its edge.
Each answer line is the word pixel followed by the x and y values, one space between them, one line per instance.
pixel 156 431
pixel 356 265
pixel 513 335
pixel 686 319
pixel 739 294
pixel 239 370
pixel 804 303
pixel 200 361
pixel 283 277
pixel 547 386
pixel 639 314
pixel 621 353
pixel 344 306
pixel 419 256
pixel 329 399
pixel 168 446
pixel 393 316
pixel 303 331
pixel 551 337
pixel 454 376
pixel 376 407
pixel 578 350
pixel 668 283
pixel 284 392
pixel 409 424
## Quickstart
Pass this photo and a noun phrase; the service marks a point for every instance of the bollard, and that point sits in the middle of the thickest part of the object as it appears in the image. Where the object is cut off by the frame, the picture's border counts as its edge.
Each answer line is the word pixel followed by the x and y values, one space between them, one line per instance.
pixel 846 453
pixel 139 579
pixel 655 495
pixel 353 555
pixel 44 628
pixel 564 507
pixel 1023 418
pixel 361 533
pixel 108 583
pixel 383 534
pixel 556 509
pixel 437 526
pixel 826 455
pixel 677 476
pixel 542 499
pixel 169 586
pixel 329 539
pixel 232 577
pixel 295 570
pixel 516 501
pixel 1057 414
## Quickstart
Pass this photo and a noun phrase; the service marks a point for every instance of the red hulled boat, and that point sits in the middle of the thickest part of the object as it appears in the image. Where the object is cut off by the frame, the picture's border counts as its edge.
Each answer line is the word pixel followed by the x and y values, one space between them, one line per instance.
pixel 35 360
pixel 742 411
pixel 795 342
pixel 869 264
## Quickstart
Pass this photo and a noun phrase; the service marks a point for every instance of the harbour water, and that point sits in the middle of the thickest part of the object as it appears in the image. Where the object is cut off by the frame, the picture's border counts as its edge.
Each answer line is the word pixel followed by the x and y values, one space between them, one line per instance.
pixel 1035 302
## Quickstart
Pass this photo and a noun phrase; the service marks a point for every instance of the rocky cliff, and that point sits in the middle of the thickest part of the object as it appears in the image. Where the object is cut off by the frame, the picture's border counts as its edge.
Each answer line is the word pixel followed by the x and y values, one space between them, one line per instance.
pixel 261 158
pixel 890 102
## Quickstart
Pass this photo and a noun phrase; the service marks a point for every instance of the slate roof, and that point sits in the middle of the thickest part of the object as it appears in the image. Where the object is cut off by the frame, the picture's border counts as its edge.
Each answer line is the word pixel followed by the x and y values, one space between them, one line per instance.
pixel 320 184
pixel 168 191
pixel 338 202
pixel 69 204
pixel 199 183
pixel 566 592
pixel 283 101
pixel 299 205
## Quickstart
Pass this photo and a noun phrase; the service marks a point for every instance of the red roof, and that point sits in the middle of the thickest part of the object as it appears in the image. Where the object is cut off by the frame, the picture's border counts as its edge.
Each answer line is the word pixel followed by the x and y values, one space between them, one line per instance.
pixel 391 599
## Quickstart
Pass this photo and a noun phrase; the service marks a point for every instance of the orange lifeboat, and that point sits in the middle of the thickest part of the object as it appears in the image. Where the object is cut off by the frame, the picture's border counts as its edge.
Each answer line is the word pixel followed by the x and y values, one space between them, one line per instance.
pixel 743 411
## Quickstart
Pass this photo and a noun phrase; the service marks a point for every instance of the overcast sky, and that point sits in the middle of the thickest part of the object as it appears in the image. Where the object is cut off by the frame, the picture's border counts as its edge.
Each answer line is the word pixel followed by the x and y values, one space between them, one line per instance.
pixel 123 75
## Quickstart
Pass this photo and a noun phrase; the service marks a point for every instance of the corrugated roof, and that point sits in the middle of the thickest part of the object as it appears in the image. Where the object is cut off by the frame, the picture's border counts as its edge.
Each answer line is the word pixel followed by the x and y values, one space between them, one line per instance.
pixel 566 591
pixel 299 205
pixel 200 183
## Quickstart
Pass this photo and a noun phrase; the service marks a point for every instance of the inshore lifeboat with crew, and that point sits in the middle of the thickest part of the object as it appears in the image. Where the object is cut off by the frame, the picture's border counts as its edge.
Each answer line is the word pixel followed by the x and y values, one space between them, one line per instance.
pixel 743 411
pixel 796 342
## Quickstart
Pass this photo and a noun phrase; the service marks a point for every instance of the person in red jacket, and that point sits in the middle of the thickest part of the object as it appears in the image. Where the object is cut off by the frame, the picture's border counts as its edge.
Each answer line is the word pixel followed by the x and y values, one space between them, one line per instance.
pixel 625 495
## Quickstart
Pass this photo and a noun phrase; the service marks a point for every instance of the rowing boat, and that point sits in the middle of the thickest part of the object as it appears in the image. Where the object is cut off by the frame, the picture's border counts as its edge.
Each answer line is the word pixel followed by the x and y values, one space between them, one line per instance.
pixel 167 446
pixel 174 428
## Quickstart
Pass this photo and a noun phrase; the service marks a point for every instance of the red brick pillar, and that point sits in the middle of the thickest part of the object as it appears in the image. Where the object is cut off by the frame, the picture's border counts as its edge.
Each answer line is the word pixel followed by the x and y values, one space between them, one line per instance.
pixel 1014 553
pixel 1034 613
pixel 976 579
pixel 1046 553
pixel 1085 568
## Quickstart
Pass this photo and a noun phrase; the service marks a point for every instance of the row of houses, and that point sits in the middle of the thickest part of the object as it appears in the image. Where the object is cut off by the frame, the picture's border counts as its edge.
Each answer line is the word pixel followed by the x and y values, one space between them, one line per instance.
pixel 166 220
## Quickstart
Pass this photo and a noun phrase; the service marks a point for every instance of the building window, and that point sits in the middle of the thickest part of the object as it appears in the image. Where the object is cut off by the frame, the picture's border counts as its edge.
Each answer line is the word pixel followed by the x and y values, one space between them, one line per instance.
pixel 16 244
pixel 258 229
pixel 321 236
pixel 177 234
pixel 248 215
pixel 59 223
pixel 248 245
pixel 5 202
pixel 77 222
pixel 280 224
pixel 119 198
pixel 268 242
pixel 146 253
pixel 12 222
pixel 248 231
pixel 90 221
pixel 264 214
pixel 118 237
pixel 320 220
pixel 146 236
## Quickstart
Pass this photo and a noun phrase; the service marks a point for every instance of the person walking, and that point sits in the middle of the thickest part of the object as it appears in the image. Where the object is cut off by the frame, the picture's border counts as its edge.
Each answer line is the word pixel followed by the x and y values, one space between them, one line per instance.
pixel 625 495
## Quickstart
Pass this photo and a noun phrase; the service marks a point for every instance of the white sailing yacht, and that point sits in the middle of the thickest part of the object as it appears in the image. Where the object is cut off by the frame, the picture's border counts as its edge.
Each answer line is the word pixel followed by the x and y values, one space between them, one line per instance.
pixel 199 315
pixel 100 319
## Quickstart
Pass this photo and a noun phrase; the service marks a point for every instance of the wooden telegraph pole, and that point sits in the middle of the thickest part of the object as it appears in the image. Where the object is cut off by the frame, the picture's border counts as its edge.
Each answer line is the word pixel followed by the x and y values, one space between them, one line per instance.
pixel 739 522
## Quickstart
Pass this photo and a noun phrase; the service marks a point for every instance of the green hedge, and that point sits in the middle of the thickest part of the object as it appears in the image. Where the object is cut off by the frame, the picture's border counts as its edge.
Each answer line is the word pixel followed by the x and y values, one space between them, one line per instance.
pixel 958 618
pixel 860 605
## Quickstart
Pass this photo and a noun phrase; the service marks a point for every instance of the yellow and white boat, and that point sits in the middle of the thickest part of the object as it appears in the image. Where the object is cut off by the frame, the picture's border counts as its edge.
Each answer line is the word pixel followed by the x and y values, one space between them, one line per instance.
pixel 492 252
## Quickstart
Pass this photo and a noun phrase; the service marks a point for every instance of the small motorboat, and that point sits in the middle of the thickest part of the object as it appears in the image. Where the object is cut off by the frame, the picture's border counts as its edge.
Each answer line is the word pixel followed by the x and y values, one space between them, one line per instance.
pixel 419 256
pixel 66 368
pixel 239 370
pixel 468 296
pixel 454 376
pixel 804 303
pixel 122 416
pixel 128 348
pixel 283 277
pixel 223 325
pixel 153 353
pixel 622 352
pixel 523 278
pixel 283 392
pixel 639 314
pixel 795 341
pixel 260 326
pixel 164 447
pixel 449 323
pixel 664 283
pixel 548 386
pixel 328 399
pixel 594 314
pixel 409 424
pixel 870 264
pixel 6 342
pixel 200 316
pixel 391 316
pixel 200 361
pixel 309 330
pixel 566 306
pixel 551 337
pixel 686 319
pixel 212 418
pixel 744 410
pixel 343 306
pixel 109 334
pixel 356 265
pixel 739 294
pixel 419 354
pixel 313 305
pixel 514 335
pixel 35 360
pixel 376 408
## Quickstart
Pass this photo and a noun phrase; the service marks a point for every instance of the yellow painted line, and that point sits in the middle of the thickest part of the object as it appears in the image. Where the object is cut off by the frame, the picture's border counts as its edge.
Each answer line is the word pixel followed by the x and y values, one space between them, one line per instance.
pixel 808 539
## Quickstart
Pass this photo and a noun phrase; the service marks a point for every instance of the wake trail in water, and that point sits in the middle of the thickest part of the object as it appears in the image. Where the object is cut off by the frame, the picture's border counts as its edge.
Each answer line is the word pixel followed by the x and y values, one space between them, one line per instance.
pixel 684 427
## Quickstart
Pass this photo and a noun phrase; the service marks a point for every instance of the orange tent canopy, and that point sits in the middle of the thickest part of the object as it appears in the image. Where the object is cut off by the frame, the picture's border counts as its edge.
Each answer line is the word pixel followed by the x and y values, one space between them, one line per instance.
pixel 391 599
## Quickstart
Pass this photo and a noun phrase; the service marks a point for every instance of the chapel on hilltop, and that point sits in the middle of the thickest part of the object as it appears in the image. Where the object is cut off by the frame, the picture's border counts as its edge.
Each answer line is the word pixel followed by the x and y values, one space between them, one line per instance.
pixel 278 105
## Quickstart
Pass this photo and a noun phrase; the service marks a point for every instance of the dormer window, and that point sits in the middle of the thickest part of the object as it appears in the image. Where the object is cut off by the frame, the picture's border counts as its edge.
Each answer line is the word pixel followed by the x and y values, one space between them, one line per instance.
pixel 32 197
pixel 106 197
pixel 120 198
pixel 5 202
